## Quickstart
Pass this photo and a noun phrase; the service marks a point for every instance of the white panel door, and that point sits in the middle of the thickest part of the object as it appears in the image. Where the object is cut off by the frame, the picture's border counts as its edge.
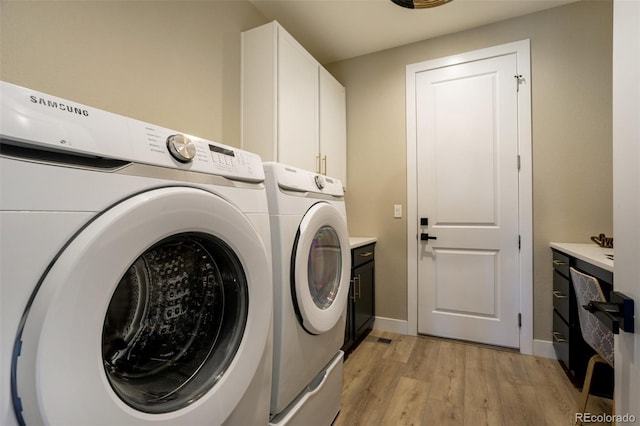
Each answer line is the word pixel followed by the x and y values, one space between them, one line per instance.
pixel 626 193
pixel 467 182
pixel 298 143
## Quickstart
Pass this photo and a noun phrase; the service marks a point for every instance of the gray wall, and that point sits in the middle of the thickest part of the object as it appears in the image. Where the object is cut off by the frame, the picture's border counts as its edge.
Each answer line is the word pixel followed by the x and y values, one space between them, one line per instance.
pixel 177 64
pixel 171 63
pixel 571 50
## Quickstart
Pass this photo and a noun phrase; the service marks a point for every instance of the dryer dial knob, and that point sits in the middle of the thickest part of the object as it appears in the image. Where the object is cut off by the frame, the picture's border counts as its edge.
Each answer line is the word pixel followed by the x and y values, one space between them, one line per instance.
pixel 181 148
pixel 319 180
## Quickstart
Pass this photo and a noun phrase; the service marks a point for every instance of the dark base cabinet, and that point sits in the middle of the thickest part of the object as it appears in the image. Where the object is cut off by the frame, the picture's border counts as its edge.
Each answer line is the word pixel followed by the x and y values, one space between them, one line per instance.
pixel 572 351
pixel 361 305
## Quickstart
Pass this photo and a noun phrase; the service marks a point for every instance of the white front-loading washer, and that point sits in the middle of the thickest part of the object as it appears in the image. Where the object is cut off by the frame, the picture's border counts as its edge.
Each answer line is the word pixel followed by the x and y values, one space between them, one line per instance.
pixel 312 262
pixel 136 270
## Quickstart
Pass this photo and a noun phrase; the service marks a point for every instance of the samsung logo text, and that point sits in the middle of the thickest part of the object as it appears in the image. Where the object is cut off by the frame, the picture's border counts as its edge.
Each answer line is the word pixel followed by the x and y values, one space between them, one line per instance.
pixel 58 105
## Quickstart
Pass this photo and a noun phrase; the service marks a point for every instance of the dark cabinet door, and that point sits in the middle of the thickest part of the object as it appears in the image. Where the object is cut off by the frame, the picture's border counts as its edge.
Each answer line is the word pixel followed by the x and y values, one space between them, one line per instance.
pixel 571 349
pixel 361 306
pixel 349 331
pixel 363 288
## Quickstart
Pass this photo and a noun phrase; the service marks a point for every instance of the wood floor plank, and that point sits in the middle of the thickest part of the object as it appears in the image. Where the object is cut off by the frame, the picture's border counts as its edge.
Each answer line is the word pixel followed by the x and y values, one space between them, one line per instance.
pixel 481 387
pixel 400 348
pixel 360 380
pixel 553 390
pixel 439 413
pixel 365 402
pixel 520 405
pixel 363 361
pixel 448 380
pixel 408 403
pixel 422 362
pixel 512 367
pixel 417 380
pixel 482 416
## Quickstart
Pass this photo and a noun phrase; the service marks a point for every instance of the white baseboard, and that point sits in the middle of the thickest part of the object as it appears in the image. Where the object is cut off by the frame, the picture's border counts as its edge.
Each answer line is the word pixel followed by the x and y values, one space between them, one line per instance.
pixel 541 348
pixel 391 325
pixel 544 349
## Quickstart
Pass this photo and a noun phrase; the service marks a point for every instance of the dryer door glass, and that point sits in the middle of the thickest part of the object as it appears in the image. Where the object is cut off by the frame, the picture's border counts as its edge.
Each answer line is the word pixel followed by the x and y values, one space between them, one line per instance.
pixel 320 269
pixel 324 267
pixel 175 322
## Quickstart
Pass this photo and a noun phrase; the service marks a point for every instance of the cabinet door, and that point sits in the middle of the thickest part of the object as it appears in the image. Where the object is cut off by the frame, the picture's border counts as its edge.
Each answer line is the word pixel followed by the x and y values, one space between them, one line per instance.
pixel 348 330
pixel 333 127
pixel 297 104
pixel 363 288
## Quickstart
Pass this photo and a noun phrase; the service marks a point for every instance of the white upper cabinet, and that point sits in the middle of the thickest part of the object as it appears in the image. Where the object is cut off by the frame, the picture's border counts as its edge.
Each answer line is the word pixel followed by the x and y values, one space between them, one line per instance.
pixel 297 104
pixel 293 110
pixel 333 127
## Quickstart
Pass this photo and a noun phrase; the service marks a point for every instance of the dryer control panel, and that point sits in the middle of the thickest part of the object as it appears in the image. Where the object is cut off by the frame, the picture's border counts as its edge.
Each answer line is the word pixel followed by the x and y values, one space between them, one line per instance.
pixel 36 119
pixel 300 180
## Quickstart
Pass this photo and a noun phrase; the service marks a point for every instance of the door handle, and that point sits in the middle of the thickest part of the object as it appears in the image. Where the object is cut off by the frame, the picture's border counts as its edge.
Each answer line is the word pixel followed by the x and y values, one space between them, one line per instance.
pixel 426 237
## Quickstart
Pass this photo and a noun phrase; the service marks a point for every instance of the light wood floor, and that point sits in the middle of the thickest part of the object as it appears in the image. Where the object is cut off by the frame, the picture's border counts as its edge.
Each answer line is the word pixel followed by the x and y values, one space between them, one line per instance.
pixel 430 381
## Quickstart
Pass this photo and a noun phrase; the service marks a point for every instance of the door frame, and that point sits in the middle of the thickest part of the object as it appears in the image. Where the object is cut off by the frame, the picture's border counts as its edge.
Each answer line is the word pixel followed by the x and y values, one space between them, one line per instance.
pixel 525 182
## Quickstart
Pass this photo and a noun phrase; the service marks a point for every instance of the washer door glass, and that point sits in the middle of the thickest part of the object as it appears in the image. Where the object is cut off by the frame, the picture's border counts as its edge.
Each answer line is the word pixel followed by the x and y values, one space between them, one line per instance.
pixel 174 323
pixel 158 311
pixel 324 267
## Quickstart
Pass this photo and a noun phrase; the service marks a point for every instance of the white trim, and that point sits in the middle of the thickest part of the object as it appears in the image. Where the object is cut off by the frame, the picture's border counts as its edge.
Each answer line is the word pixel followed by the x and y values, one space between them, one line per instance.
pixel 544 349
pixel 391 325
pixel 522 51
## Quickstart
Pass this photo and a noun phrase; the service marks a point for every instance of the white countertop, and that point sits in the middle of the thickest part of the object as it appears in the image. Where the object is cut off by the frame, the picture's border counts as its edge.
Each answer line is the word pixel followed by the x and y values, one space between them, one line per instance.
pixel 588 252
pixel 356 242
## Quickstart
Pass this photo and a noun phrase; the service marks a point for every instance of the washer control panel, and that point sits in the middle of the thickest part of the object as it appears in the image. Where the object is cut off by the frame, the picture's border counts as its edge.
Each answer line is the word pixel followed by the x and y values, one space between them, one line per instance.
pixel 33 118
pixel 193 153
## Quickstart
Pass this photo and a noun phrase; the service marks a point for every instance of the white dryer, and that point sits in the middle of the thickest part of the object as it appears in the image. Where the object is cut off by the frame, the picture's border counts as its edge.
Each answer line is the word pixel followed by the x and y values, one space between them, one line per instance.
pixel 136 271
pixel 311 269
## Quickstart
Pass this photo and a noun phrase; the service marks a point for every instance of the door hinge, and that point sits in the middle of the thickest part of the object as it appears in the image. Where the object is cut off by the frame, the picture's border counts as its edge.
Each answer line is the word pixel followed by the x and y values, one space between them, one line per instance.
pixel 519 320
pixel 519 80
pixel 518 159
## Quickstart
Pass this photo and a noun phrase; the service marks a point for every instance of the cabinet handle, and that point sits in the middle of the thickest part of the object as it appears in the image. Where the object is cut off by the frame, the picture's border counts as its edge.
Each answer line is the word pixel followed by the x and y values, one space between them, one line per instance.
pixel 318 168
pixel 366 254
pixel 559 263
pixel 559 295
pixel 352 282
pixel 324 161
pixel 558 337
pixel 356 287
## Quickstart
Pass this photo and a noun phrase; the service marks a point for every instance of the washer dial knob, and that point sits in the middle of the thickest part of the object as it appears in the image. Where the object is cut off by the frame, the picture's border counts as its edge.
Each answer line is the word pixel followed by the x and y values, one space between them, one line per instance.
pixel 319 180
pixel 181 148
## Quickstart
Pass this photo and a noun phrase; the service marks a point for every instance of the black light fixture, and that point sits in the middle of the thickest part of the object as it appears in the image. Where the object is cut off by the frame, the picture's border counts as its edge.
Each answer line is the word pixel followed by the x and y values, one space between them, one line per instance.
pixel 420 4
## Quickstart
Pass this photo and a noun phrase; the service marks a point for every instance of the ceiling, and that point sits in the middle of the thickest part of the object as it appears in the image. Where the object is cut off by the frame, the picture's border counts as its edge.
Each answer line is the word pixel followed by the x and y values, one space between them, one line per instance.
pixel 333 30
